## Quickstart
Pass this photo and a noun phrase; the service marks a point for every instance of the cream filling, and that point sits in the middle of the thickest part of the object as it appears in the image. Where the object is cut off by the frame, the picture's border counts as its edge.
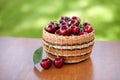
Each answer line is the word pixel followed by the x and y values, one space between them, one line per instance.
pixel 69 47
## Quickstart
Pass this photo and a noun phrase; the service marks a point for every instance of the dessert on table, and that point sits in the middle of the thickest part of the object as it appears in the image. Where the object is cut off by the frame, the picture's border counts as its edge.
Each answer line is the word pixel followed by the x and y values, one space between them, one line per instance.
pixel 68 39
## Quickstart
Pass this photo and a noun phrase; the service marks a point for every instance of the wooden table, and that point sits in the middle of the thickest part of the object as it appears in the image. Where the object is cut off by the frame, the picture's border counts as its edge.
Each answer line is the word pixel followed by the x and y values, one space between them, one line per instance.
pixel 16 62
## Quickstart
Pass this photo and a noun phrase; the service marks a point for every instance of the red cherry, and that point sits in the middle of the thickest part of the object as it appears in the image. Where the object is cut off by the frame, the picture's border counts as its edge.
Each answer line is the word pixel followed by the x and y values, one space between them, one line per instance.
pixel 58 32
pixel 77 20
pixel 82 33
pixel 61 21
pixel 69 32
pixel 64 27
pixel 63 30
pixel 67 19
pixel 88 28
pixel 62 17
pixel 75 30
pixel 74 22
pixel 58 62
pixel 85 23
pixel 75 17
pixel 77 23
pixel 53 23
pixel 50 28
pixel 46 63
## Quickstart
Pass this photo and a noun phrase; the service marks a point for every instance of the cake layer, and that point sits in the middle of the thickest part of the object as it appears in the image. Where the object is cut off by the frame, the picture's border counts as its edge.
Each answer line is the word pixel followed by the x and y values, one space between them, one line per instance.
pixel 56 39
pixel 70 52
pixel 70 59
pixel 68 46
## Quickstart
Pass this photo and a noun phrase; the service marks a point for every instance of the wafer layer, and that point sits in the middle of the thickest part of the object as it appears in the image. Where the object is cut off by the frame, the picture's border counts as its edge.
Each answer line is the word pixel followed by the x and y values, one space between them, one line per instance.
pixel 70 59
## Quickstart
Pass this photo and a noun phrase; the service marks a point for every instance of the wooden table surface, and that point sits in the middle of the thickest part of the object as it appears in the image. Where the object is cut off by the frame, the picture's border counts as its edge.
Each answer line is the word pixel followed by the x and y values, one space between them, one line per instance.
pixel 16 62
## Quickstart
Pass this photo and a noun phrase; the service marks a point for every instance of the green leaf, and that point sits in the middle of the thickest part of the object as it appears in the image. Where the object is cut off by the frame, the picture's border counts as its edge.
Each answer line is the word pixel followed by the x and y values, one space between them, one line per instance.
pixel 37 56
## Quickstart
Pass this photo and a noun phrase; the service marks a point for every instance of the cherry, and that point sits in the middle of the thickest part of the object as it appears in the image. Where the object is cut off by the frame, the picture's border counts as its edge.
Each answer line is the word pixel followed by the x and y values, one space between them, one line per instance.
pixel 69 32
pixel 58 32
pixel 74 22
pixel 75 30
pixel 64 27
pixel 85 23
pixel 65 30
pixel 46 63
pixel 63 18
pixel 82 33
pixel 58 62
pixel 77 20
pixel 88 28
pixel 67 19
pixel 53 23
pixel 61 21
pixel 77 23
pixel 50 28
pixel 75 17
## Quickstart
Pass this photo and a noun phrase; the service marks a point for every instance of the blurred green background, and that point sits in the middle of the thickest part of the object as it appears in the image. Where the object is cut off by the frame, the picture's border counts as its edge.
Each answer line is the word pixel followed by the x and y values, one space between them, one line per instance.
pixel 26 18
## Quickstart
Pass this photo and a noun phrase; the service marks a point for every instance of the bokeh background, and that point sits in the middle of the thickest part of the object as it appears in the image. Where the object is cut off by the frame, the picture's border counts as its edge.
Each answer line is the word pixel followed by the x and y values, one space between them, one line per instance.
pixel 26 18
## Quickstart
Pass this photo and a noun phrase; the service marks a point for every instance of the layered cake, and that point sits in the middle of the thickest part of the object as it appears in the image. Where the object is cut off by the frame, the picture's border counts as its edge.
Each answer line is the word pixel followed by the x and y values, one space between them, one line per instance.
pixel 69 39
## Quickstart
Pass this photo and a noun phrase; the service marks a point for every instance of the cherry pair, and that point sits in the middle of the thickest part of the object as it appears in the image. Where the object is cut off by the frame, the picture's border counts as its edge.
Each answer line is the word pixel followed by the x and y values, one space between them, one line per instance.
pixel 47 63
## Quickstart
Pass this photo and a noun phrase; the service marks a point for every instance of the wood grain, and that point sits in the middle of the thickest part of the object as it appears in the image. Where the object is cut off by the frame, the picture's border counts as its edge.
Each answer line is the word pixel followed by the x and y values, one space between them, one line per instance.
pixel 16 62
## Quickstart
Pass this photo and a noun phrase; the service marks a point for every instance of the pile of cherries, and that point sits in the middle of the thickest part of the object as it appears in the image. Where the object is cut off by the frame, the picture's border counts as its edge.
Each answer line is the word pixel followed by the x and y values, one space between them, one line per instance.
pixel 68 27
pixel 47 63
